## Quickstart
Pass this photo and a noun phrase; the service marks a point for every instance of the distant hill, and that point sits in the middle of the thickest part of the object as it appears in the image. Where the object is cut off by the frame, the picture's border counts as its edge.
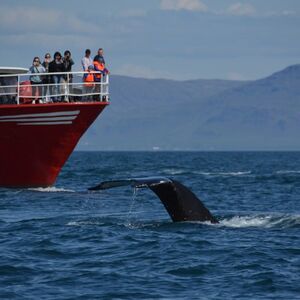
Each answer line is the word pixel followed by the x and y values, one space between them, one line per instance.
pixel 200 114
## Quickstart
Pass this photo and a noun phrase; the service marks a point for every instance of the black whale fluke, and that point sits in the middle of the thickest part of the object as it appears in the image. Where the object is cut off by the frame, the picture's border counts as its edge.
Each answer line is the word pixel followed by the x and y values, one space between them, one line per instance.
pixel 181 203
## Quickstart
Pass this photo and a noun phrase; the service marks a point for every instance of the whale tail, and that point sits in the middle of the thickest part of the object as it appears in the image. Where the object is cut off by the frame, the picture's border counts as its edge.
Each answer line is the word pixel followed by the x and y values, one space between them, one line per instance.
pixel 180 203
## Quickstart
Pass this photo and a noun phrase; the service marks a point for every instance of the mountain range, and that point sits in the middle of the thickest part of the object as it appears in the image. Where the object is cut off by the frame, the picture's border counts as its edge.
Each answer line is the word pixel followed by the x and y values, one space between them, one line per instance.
pixel 160 114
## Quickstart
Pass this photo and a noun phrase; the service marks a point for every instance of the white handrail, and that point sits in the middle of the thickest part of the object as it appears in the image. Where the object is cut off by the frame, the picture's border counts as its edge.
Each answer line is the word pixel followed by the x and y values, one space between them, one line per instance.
pixel 17 88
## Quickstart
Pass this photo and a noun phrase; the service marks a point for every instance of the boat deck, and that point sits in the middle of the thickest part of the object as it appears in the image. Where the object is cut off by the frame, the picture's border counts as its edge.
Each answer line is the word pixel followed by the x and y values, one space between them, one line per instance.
pixel 18 89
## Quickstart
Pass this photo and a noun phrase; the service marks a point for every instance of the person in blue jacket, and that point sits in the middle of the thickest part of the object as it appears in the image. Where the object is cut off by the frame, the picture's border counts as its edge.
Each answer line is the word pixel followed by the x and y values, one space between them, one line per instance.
pixel 36 80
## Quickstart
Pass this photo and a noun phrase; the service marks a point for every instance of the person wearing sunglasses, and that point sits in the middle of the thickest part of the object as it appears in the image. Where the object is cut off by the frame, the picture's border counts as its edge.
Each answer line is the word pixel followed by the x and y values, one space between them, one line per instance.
pixel 36 80
pixel 47 79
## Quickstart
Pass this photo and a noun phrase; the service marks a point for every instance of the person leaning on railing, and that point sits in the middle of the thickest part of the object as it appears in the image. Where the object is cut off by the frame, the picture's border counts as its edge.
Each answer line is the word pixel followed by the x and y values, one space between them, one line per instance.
pixel 99 65
pixel 102 71
pixel 36 80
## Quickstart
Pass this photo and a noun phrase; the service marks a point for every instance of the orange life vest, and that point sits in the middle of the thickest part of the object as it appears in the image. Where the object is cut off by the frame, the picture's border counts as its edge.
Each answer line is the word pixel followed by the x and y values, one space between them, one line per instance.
pixel 89 79
pixel 98 67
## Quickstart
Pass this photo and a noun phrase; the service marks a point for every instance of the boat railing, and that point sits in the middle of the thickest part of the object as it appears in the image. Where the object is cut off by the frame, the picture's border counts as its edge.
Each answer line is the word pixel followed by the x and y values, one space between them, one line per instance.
pixel 54 87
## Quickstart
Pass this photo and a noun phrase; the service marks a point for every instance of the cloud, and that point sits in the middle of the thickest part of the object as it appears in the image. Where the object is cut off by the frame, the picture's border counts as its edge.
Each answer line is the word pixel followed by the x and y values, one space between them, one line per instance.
pixel 284 13
pixel 41 40
pixel 190 5
pixel 288 12
pixel 241 9
pixel 19 19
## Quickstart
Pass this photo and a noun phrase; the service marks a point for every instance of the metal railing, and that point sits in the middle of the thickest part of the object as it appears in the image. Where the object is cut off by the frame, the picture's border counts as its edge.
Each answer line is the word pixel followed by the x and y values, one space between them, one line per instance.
pixel 54 87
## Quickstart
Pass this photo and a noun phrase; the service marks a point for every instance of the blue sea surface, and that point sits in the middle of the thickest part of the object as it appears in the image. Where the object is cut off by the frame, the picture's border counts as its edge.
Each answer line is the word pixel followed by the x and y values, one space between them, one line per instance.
pixel 65 242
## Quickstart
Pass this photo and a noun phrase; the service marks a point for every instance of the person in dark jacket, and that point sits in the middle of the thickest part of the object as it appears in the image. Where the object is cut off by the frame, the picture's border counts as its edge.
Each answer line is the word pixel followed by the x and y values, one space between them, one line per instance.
pixel 99 63
pixel 57 66
pixel 68 63
pixel 99 57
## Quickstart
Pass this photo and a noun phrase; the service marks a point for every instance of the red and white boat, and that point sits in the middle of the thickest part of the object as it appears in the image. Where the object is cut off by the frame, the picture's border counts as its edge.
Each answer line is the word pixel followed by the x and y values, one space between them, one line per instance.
pixel 38 136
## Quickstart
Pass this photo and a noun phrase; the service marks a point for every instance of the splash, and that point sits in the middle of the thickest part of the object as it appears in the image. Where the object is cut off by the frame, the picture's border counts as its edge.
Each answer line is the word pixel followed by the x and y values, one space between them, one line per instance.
pixel 264 221
pixel 135 190
pixel 51 189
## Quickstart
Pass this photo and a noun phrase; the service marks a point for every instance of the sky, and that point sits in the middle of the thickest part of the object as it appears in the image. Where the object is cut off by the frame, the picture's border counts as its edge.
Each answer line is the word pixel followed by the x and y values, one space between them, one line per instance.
pixel 174 39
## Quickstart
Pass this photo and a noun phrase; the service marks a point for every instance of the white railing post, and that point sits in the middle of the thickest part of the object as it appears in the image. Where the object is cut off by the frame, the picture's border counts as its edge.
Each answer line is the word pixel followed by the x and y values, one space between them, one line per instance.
pixel 107 87
pixel 101 87
pixel 18 90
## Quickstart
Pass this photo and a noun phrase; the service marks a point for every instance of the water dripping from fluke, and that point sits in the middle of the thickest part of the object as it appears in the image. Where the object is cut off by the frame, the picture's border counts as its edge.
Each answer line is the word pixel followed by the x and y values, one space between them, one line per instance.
pixel 180 202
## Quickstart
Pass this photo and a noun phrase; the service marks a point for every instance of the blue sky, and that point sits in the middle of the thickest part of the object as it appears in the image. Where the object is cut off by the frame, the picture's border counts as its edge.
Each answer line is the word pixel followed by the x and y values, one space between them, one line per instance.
pixel 179 39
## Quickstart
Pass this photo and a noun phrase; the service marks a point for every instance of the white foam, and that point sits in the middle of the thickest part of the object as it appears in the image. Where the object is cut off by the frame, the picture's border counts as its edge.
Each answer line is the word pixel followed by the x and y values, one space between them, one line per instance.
pixel 83 223
pixel 246 221
pixel 51 189
pixel 266 221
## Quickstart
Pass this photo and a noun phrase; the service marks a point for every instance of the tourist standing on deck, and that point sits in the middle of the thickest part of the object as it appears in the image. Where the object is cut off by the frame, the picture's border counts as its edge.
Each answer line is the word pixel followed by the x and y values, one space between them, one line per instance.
pixel 99 65
pixel 89 82
pixel 56 66
pixel 46 62
pixel 100 72
pixel 36 80
pixel 47 79
pixel 86 60
pixel 68 63
pixel 99 57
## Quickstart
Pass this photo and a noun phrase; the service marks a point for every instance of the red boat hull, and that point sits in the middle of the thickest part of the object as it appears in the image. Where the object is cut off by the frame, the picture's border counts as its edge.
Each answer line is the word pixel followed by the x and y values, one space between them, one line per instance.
pixel 36 140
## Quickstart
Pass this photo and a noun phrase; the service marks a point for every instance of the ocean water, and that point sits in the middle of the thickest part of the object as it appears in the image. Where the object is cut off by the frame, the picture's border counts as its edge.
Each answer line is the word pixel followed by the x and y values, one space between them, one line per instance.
pixel 65 242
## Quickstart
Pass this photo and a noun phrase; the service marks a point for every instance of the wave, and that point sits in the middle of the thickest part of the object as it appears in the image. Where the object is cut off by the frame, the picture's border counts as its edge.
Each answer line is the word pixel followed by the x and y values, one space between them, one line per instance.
pixel 106 219
pixel 174 171
pixel 265 221
pixel 280 221
pixel 239 173
pixel 288 172
pixel 51 189
pixel 84 223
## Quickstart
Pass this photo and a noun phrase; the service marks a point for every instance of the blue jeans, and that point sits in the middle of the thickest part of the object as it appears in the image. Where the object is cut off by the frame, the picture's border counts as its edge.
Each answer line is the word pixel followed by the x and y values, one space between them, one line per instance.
pixel 56 89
